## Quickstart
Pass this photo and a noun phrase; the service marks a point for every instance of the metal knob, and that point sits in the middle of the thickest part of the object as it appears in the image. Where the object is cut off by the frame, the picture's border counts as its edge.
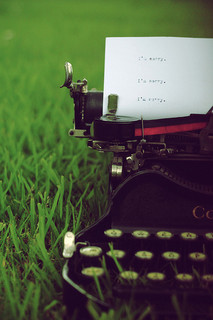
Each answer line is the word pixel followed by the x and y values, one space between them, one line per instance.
pixel 69 245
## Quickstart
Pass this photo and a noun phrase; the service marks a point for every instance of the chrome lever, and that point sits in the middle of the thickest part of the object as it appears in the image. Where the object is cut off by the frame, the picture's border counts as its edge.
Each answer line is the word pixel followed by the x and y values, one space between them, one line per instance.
pixel 68 75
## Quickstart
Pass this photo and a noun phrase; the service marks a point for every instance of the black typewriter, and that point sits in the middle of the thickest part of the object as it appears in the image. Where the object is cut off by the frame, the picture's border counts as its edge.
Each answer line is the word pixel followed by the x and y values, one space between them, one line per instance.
pixel 154 244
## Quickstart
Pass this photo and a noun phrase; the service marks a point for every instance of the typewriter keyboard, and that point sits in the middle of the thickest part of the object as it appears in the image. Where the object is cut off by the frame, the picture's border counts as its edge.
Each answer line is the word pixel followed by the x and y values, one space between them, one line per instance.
pixel 149 265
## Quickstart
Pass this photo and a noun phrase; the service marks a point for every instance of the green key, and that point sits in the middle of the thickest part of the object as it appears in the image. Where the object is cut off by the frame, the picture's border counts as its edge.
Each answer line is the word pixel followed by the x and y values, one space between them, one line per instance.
pixel 144 255
pixel 119 254
pixel 140 234
pixel 91 271
pixel 164 235
pixel 188 236
pixel 197 256
pixel 208 278
pixel 91 251
pixel 113 233
pixel 184 277
pixel 171 255
pixel 156 276
pixel 209 236
pixel 129 275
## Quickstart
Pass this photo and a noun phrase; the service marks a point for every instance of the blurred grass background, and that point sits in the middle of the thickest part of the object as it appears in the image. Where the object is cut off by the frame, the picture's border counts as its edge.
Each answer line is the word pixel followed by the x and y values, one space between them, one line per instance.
pixel 50 183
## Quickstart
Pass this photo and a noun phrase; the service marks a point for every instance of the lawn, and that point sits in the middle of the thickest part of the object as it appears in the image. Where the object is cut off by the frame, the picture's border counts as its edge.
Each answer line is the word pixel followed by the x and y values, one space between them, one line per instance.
pixel 49 182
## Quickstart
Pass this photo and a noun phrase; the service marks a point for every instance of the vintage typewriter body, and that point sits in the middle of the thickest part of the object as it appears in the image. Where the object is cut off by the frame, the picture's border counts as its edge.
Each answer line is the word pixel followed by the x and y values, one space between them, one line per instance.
pixel 154 244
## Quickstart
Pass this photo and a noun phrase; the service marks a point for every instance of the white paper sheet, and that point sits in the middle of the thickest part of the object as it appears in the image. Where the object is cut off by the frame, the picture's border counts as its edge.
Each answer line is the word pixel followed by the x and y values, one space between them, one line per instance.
pixel 159 77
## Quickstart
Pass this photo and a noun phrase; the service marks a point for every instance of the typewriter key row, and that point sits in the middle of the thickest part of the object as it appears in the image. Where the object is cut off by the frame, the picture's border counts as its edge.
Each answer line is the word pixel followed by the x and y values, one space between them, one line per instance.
pixel 151 277
pixel 95 252
pixel 166 261
pixel 143 234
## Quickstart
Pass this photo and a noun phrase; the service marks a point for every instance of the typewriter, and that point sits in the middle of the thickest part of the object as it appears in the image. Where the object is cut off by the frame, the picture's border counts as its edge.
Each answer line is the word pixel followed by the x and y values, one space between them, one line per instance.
pixel 154 244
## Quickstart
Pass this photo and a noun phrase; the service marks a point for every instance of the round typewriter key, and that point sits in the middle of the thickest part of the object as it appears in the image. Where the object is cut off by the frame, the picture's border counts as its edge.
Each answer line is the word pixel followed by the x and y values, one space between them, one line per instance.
pixel 113 233
pixel 90 272
pixel 112 256
pixel 209 236
pixel 163 240
pixel 141 239
pixel 191 244
pixel 197 256
pixel 143 259
pixel 144 255
pixel 170 262
pixel 184 278
pixel 91 251
pixel 156 277
pixel 207 279
pixel 188 236
pixel 140 234
pixel 198 259
pixel 129 275
pixel 164 235
pixel 119 254
pixel 171 256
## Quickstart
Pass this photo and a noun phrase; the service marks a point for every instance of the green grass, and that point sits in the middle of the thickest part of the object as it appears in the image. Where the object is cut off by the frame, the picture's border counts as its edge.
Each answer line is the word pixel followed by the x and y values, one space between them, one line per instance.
pixel 50 183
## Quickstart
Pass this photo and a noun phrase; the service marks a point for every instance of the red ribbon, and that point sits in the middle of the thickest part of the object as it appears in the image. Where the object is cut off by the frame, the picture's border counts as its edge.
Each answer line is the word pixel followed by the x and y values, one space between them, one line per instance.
pixel 170 129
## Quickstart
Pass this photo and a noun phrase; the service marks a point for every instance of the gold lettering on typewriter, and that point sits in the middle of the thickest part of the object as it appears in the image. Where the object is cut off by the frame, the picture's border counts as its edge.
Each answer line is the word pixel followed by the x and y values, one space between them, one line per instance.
pixel 209 214
pixel 198 212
